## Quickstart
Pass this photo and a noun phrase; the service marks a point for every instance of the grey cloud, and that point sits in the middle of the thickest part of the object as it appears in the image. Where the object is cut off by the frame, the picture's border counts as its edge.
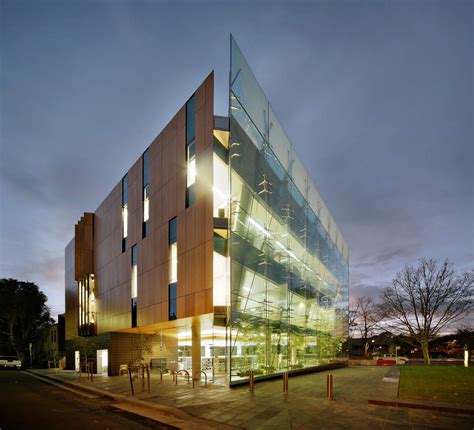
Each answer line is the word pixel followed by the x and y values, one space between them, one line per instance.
pixel 373 95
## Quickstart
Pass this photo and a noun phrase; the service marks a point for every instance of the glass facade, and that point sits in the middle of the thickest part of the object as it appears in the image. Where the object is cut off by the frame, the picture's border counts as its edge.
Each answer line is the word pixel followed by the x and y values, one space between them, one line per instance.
pixel 289 263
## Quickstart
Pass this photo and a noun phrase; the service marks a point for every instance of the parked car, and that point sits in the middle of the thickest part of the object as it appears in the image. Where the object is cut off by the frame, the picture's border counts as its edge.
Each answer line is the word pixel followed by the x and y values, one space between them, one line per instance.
pixel 10 362
pixel 400 359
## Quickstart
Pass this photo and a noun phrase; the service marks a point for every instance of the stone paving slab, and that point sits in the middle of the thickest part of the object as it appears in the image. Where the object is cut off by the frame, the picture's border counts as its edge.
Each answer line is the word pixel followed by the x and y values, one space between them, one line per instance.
pixel 305 407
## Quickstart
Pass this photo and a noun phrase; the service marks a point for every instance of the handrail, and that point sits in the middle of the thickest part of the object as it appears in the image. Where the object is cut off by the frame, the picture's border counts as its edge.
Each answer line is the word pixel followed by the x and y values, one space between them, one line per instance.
pixel 205 377
pixel 179 372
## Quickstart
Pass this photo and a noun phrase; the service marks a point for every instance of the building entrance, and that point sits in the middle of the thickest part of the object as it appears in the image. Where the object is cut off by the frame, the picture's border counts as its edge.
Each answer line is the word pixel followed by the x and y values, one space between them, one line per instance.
pixel 102 361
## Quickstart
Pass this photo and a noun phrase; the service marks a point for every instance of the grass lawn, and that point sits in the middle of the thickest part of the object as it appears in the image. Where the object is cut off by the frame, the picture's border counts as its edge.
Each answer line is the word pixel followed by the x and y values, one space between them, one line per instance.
pixel 450 384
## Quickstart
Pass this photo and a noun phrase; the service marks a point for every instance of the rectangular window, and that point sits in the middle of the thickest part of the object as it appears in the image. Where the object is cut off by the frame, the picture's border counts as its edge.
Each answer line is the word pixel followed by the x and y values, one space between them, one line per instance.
pixel 173 271
pixel 173 230
pixel 86 306
pixel 146 193
pixel 172 302
pixel 190 151
pixel 124 212
pixel 191 119
pixel 134 286
pixel 173 267
pixel 134 311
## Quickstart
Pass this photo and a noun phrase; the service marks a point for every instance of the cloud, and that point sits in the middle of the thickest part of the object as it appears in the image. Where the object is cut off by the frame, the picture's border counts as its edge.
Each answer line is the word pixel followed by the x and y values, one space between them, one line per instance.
pixel 378 110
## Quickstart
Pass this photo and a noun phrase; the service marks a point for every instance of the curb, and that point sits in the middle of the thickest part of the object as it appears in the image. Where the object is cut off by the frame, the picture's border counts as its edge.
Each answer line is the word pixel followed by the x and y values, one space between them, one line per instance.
pixel 424 406
pixel 167 414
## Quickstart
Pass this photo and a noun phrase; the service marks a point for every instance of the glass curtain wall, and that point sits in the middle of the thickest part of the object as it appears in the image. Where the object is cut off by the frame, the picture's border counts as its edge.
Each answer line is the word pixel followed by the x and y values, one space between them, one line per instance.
pixel 289 263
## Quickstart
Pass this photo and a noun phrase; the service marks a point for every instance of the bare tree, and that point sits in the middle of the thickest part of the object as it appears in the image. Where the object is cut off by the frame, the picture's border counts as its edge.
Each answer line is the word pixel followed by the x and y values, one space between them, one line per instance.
pixel 366 318
pixel 422 300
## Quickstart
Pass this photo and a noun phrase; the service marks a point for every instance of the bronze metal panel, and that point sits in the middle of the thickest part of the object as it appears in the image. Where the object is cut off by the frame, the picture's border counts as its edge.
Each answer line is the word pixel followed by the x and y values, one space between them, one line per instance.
pixel 201 95
pixel 190 311
pixel 181 307
pixel 157 313
pixel 195 230
pixel 200 268
pixel 158 286
pixel 164 310
pixel 208 305
pixel 190 272
pixel 190 241
pixel 172 154
pixel 199 302
pixel 181 119
pixel 84 246
pixel 157 239
pixel 165 163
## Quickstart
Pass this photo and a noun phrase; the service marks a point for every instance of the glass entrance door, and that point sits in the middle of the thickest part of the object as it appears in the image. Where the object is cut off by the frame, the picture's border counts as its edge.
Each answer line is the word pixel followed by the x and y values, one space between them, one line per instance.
pixel 102 361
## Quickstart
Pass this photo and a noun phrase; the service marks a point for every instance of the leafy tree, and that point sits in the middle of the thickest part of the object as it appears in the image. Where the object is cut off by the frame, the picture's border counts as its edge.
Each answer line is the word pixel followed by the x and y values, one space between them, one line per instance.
pixel 422 300
pixel 24 314
pixel 86 346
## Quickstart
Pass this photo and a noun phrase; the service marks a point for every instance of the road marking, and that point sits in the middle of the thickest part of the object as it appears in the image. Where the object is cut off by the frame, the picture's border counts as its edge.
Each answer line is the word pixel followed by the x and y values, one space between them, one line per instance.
pixel 62 386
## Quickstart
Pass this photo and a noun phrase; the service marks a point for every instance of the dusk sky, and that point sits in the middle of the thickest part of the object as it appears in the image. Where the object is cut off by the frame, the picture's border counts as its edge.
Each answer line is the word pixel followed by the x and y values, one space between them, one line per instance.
pixel 376 96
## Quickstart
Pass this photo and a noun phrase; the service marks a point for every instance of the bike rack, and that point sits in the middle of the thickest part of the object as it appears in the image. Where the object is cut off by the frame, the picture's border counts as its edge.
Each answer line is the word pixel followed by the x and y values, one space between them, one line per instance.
pixel 171 371
pixel 161 375
pixel 205 377
pixel 178 373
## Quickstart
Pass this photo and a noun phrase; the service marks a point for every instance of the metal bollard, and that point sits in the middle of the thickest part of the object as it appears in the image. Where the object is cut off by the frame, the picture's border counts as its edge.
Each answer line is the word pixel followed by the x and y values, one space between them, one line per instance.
pixel 285 382
pixel 131 380
pixel 91 369
pixel 143 377
pixel 251 381
pixel 148 377
pixel 329 387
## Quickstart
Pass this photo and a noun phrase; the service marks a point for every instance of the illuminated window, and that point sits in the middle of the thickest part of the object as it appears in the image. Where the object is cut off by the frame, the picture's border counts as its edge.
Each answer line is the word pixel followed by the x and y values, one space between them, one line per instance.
pixel 134 286
pixel 173 268
pixel 190 151
pixel 146 193
pixel 124 212
pixel 87 308
pixel 191 169
pixel 173 273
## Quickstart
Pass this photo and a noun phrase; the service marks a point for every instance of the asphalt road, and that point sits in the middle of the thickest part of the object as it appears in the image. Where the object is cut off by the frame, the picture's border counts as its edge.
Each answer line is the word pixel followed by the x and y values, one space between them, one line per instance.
pixel 28 403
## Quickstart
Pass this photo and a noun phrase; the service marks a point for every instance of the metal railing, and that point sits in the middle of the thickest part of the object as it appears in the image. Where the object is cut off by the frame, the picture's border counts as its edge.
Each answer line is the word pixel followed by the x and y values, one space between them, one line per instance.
pixel 173 372
pixel 205 377
pixel 179 372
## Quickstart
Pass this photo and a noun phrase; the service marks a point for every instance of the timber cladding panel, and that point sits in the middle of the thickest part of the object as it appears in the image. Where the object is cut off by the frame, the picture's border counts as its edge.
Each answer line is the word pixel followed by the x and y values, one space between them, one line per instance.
pixel 167 187
pixel 128 348
pixel 84 246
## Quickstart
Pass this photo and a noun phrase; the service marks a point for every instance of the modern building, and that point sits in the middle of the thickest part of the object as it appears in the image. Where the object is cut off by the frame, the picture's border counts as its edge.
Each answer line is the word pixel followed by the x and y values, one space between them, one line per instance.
pixel 214 253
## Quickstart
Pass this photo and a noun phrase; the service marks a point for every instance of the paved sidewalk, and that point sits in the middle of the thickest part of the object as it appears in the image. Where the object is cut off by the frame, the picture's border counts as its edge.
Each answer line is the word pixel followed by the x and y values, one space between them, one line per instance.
pixel 305 407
